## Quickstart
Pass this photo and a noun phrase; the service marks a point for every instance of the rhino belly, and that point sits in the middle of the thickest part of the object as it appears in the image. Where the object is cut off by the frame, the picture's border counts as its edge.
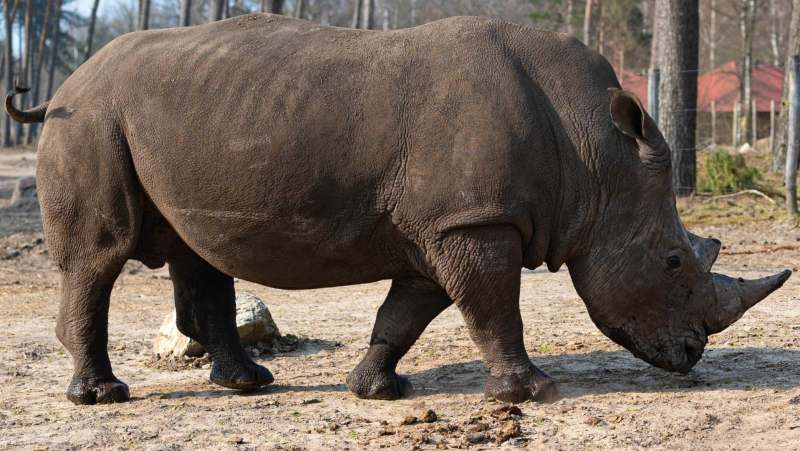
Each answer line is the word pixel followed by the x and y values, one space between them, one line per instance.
pixel 292 252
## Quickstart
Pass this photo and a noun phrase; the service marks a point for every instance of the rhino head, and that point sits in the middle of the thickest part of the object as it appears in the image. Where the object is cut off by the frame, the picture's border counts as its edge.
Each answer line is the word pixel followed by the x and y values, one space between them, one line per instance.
pixel 647 281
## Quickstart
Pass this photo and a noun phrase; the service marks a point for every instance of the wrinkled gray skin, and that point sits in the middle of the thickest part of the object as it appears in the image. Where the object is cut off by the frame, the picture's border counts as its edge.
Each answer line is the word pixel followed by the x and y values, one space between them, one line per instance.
pixel 444 157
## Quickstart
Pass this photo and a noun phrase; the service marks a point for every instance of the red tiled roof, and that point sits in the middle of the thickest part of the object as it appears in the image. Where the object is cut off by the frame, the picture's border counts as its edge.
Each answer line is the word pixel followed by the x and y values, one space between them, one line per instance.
pixel 722 86
pixel 636 83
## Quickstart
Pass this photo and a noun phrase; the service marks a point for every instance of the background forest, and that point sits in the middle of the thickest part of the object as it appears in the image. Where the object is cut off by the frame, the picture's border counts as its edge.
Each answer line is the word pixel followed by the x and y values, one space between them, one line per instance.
pixel 50 39
pixel 622 30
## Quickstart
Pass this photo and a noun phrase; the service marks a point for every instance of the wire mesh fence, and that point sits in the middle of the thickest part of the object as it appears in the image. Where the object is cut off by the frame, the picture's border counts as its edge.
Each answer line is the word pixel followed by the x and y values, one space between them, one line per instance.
pixel 729 124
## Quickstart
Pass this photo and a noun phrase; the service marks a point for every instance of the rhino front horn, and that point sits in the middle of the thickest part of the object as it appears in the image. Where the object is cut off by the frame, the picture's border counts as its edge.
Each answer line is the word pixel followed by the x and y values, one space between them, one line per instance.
pixel 736 296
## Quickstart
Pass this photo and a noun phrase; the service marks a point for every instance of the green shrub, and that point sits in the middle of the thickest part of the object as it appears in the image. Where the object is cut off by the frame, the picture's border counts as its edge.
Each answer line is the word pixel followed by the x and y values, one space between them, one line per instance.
pixel 725 173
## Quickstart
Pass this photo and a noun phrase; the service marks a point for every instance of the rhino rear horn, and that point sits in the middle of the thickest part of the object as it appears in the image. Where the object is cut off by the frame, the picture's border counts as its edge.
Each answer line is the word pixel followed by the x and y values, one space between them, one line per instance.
pixel 736 296
pixel 705 249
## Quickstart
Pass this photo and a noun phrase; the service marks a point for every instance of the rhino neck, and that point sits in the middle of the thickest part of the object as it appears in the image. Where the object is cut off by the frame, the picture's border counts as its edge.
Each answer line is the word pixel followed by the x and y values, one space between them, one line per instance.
pixel 605 199
pixel 569 107
pixel 576 221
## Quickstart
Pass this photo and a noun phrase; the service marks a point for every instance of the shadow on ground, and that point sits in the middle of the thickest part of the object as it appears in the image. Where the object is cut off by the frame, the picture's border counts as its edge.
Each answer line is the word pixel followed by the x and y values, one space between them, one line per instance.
pixel 23 217
pixel 595 373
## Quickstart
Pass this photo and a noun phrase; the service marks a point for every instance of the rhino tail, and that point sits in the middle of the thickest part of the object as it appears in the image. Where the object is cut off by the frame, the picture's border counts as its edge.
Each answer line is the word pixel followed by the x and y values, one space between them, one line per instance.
pixel 35 114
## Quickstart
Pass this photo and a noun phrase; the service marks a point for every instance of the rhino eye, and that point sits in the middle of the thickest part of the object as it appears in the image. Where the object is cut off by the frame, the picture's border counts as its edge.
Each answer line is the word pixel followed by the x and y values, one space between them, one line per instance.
pixel 673 262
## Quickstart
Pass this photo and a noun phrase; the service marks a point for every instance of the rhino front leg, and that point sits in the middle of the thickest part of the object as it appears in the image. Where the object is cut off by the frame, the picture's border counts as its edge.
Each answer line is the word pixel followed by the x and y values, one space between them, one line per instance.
pixel 205 304
pixel 411 304
pixel 480 269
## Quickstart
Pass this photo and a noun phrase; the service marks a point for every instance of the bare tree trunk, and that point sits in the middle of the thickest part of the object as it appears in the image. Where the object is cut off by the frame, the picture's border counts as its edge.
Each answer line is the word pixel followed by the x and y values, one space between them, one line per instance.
pixel 384 16
pixel 25 68
pixel 357 14
pixel 226 10
pixel 9 69
pixel 654 42
pixel 37 66
pixel 601 32
pixel 218 11
pixel 367 15
pixel 773 33
pixel 298 8
pixel 569 15
pixel 37 74
pixel 747 17
pixel 781 134
pixel 587 22
pixel 275 6
pixel 144 15
pixel 87 52
pixel 793 141
pixel 51 74
pixel 3 56
pixel 678 35
pixel 186 13
pixel 623 35
pixel 712 44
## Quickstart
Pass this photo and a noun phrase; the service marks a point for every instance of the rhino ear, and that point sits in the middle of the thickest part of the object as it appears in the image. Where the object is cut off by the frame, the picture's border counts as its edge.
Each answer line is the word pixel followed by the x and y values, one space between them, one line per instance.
pixel 630 117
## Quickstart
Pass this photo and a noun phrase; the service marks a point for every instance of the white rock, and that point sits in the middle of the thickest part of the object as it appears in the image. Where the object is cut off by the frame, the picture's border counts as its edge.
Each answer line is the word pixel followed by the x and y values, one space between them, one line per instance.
pixel 24 191
pixel 253 321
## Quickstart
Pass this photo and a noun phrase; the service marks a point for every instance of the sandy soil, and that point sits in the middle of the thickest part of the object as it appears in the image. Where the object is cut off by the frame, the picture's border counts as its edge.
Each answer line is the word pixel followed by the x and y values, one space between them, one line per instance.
pixel 744 394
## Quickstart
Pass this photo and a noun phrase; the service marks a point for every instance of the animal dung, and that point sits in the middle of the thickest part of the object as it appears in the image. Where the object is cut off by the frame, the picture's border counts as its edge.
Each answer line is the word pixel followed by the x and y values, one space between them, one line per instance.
pixel 429 416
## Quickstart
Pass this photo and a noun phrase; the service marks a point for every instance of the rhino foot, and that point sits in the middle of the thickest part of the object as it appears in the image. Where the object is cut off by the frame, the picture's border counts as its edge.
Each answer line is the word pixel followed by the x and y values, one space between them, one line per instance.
pixel 244 376
pixel 379 385
pixel 92 391
pixel 534 385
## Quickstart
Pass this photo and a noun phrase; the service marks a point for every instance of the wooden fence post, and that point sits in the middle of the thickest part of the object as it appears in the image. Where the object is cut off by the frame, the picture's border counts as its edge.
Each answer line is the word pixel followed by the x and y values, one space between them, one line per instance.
pixel 754 109
pixel 737 112
pixel 793 142
pixel 652 93
pixel 771 124
pixel 713 123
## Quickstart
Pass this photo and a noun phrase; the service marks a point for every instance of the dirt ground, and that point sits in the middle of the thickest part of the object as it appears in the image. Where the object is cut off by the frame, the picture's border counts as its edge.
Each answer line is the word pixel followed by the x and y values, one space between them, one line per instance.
pixel 744 394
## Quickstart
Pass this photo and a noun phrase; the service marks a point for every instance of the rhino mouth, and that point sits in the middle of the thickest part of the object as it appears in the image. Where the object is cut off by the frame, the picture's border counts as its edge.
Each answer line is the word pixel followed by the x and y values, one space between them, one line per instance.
pixel 679 356
pixel 686 360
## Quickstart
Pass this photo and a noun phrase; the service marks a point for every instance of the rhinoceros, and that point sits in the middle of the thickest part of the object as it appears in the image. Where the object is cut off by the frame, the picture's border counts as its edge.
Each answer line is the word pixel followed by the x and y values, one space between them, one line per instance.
pixel 445 157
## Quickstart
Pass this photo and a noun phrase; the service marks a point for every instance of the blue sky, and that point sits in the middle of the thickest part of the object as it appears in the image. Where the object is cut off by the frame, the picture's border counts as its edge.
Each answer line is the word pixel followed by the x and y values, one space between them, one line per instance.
pixel 85 6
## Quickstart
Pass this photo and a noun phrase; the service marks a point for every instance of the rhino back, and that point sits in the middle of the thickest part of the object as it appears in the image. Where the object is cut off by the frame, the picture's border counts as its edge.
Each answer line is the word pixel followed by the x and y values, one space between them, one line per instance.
pixel 262 139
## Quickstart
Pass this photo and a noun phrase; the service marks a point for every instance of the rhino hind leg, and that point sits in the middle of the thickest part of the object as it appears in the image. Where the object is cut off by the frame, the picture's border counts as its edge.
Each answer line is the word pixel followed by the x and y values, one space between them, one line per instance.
pixel 480 269
pixel 91 219
pixel 82 328
pixel 411 304
pixel 205 303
